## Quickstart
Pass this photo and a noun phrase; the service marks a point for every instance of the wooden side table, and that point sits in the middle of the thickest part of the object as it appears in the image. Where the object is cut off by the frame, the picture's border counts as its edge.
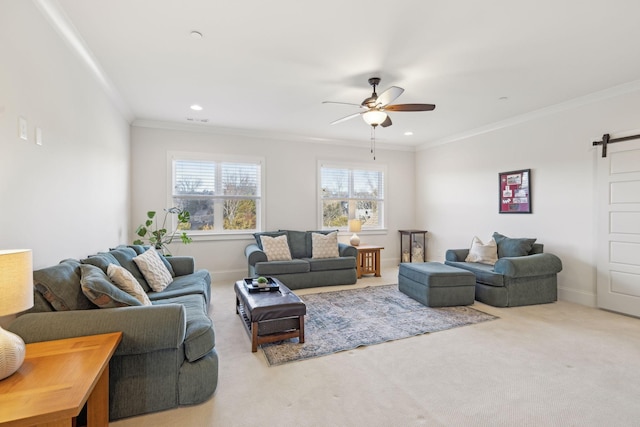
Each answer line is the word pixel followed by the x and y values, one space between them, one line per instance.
pixel 368 260
pixel 56 379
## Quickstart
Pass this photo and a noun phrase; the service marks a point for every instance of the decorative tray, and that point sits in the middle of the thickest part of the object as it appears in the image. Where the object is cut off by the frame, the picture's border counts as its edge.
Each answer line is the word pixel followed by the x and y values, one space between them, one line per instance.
pixel 253 286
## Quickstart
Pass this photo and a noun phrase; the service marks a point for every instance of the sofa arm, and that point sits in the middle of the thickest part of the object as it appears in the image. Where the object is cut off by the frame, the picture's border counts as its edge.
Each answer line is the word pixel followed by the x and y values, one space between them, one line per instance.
pixel 144 328
pixel 456 255
pixel 530 265
pixel 347 250
pixel 254 254
pixel 182 265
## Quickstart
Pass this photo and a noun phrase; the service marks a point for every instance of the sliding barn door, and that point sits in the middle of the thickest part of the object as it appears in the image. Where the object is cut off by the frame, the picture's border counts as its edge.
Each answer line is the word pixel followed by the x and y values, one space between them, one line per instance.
pixel 619 228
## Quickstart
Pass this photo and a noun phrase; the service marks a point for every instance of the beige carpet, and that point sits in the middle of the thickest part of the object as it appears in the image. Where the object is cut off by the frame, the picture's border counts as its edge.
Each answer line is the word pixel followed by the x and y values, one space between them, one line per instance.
pixel 555 364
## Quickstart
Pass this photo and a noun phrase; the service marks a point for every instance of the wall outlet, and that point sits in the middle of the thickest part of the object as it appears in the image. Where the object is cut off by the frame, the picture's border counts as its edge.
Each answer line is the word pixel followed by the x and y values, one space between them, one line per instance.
pixel 38 136
pixel 22 128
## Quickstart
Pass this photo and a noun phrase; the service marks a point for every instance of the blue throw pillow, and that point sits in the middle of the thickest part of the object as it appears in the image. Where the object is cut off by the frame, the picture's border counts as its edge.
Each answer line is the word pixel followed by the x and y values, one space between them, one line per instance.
pixel 508 247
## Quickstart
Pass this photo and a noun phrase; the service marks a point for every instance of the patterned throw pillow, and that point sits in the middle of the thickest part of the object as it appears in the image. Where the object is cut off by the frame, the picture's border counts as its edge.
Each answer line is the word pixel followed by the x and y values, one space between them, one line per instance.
pixel 276 248
pixel 101 291
pixel 124 280
pixel 325 245
pixel 153 270
pixel 483 253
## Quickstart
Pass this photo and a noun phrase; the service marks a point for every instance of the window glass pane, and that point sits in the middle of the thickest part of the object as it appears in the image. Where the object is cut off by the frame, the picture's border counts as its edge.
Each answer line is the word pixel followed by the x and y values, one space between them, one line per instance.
pixel 241 179
pixel 335 183
pixel 240 214
pixel 335 213
pixel 194 177
pixel 201 211
pixel 367 184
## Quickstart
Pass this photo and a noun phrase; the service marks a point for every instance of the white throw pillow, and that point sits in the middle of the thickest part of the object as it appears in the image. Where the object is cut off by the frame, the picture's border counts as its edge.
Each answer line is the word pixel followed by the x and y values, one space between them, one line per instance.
pixel 124 280
pixel 483 253
pixel 153 270
pixel 324 245
pixel 276 248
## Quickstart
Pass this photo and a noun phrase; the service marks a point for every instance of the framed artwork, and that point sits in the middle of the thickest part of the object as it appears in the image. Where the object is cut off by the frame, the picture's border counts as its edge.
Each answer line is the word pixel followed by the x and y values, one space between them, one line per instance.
pixel 515 191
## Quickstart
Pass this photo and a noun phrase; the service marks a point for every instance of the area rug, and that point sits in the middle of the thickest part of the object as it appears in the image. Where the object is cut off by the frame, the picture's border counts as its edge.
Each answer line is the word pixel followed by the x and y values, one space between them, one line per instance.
pixel 344 320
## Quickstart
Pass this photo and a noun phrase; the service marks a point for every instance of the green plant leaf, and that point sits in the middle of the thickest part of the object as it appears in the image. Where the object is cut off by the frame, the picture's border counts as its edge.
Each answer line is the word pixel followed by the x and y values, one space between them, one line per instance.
pixel 138 242
pixel 148 223
pixel 151 214
pixel 141 231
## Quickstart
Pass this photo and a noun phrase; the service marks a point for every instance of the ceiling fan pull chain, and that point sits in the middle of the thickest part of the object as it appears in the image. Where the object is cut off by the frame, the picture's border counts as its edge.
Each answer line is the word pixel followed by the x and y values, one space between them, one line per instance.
pixel 373 141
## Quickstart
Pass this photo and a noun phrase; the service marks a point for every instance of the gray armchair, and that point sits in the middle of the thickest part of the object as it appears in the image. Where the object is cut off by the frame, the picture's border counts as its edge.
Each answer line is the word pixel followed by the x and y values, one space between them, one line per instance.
pixel 513 281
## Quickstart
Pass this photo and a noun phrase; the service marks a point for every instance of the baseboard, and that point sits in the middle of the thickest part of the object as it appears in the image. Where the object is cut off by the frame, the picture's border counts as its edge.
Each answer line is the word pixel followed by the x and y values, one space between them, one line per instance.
pixel 578 297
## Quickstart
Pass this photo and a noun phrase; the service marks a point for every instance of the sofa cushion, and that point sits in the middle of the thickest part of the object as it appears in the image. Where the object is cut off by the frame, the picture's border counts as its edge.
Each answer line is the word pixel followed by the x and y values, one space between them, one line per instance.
pixel 484 273
pixel 60 286
pixel 197 283
pixel 124 280
pixel 509 247
pixel 327 264
pixel 153 270
pixel 282 267
pixel 199 337
pixel 324 245
pixel 101 260
pixel 276 248
pixel 267 233
pixel 485 253
pixel 125 258
pixel 297 243
pixel 95 284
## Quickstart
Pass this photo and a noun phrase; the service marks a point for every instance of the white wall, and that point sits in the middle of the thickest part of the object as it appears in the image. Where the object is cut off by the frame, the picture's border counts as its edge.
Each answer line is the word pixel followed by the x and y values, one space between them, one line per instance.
pixel 457 186
pixel 290 199
pixel 70 196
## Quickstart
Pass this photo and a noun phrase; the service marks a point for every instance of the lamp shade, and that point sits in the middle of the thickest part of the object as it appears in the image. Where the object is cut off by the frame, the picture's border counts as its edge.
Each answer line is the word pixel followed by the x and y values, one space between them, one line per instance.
pixel 355 225
pixel 16 281
pixel 374 117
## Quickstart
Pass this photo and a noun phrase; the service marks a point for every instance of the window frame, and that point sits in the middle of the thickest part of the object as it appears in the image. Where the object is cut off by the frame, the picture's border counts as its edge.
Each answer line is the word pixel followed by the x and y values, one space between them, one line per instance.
pixel 351 166
pixel 197 235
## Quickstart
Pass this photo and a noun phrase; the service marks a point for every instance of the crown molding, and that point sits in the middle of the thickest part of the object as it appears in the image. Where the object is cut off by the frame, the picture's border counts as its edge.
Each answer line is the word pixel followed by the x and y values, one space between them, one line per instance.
pixel 61 23
pixel 536 114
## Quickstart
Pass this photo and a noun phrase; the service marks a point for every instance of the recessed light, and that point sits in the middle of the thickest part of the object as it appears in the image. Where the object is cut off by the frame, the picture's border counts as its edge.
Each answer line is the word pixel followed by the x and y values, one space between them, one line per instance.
pixel 408 133
pixel 196 107
pixel 196 35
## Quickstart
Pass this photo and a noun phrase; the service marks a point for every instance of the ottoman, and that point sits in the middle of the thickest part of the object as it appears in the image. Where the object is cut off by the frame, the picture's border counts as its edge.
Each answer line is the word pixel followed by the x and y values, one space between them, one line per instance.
pixel 437 285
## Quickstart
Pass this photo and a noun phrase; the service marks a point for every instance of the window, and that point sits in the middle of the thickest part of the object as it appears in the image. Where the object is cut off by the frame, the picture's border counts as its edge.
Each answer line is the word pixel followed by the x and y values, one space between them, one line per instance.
pixel 350 191
pixel 222 196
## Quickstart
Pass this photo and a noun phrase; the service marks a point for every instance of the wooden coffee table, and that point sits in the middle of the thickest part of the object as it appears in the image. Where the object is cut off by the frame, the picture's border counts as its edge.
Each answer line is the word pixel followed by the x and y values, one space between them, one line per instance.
pixel 55 381
pixel 270 316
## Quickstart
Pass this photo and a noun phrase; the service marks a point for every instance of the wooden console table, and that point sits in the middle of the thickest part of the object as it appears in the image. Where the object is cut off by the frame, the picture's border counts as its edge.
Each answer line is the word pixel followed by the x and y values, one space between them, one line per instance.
pixel 368 260
pixel 56 379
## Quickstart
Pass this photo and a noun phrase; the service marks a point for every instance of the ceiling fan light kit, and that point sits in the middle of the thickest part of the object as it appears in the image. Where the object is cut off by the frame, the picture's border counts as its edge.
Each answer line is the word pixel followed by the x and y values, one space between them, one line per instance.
pixel 376 107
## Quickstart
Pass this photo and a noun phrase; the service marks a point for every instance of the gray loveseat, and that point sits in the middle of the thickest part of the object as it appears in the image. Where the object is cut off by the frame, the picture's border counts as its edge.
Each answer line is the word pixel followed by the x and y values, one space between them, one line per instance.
pixel 303 271
pixel 526 279
pixel 167 355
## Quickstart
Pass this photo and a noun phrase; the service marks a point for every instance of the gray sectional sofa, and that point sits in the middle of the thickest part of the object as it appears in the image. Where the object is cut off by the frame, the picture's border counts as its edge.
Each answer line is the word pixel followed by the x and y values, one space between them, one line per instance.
pixel 167 355
pixel 303 270
pixel 526 279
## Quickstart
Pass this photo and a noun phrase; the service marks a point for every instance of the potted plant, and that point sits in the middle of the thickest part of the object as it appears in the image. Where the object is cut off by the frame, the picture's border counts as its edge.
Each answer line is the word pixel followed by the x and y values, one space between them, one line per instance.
pixel 158 237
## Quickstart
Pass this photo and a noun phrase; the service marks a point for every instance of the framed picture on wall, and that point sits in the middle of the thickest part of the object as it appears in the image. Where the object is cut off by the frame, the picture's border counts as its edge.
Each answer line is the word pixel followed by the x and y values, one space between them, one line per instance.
pixel 515 191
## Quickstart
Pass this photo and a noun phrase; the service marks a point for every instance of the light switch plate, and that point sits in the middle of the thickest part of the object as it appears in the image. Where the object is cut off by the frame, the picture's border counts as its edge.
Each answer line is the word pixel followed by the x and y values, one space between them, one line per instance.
pixel 22 128
pixel 38 136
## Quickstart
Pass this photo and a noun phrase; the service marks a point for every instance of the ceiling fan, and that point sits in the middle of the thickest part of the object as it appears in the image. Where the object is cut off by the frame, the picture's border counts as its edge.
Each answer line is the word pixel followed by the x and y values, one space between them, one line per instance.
pixel 376 106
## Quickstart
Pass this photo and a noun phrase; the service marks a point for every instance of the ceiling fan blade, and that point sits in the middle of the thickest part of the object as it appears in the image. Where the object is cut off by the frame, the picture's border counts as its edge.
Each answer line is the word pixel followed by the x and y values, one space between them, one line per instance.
pixel 387 122
pixel 410 107
pixel 344 103
pixel 344 119
pixel 389 95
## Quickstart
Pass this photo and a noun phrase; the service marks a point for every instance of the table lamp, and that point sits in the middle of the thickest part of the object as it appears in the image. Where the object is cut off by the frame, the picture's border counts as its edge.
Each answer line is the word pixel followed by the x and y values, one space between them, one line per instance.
pixel 355 225
pixel 16 295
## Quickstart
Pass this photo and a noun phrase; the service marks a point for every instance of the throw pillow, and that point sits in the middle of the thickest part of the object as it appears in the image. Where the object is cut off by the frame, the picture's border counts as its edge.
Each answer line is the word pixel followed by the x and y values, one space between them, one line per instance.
pixel 508 247
pixel 483 253
pixel 60 286
pixel 124 280
pixel 153 270
pixel 98 288
pixel 276 248
pixel 324 245
pixel 258 236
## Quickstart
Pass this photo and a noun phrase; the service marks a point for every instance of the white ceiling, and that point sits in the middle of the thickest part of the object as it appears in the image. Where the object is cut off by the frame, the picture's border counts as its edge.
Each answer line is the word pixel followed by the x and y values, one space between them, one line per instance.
pixel 266 66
